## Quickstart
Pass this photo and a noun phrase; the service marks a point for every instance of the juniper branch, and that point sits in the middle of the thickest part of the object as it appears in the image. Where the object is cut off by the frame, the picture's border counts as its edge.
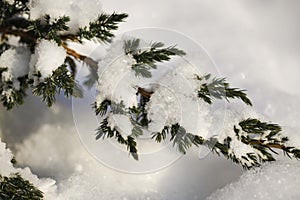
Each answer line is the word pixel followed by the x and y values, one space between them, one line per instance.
pixel 60 80
pixel 147 58
pixel 218 88
pixel 262 137
pixel 105 131
pixel 102 27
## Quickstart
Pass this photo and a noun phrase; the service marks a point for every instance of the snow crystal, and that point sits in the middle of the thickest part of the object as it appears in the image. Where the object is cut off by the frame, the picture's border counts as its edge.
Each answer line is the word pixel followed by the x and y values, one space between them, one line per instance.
pixel 121 123
pixel 47 58
pixel 273 181
pixel 17 63
pixel 80 12
pixel 117 80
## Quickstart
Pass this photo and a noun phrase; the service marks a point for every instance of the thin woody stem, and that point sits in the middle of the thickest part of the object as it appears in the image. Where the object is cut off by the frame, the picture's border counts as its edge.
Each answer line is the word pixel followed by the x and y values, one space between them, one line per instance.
pixel 78 56
pixel 73 53
pixel 22 34
pixel 269 145
pixel 70 52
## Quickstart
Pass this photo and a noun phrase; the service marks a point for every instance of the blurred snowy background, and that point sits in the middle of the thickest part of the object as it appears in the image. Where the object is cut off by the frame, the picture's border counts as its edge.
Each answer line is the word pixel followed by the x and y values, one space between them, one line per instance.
pixel 255 44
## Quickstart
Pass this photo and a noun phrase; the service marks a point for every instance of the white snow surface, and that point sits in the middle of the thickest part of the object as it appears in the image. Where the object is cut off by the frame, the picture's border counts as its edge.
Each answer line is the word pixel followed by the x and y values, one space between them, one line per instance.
pixel 17 63
pixel 271 182
pixel 46 185
pixel 80 174
pixel 80 12
pixel 47 58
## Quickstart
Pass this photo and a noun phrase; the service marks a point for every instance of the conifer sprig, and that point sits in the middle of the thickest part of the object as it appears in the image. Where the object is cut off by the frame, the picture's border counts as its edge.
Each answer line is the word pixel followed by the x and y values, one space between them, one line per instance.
pixel 10 13
pixel 218 88
pixel 180 138
pixel 105 131
pixel 61 80
pixel 262 137
pixel 48 29
pixel 147 58
pixel 15 187
pixel 10 96
pixel 103 108
pixel 102 27
pixel 139 113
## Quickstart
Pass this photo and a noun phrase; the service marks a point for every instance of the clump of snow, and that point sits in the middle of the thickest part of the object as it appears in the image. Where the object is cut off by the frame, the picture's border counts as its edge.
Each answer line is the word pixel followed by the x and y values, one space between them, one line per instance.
pixel 5 157
pixel 121 123
pixel 175 99
pixel 46 185
pixel 47 58
pixel 163 107
pixel 272 181
pixel 17 63
pixel 117 80
pixel 76 188
pixel 80 12
pixel 14 40
pixel 232 118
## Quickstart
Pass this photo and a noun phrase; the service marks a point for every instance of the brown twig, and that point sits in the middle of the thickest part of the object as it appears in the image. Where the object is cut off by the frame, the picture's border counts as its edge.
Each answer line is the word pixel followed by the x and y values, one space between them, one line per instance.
pixel 24 35
pixel 270 145
pixel 32 38
pixel 73 53
pixel 144 93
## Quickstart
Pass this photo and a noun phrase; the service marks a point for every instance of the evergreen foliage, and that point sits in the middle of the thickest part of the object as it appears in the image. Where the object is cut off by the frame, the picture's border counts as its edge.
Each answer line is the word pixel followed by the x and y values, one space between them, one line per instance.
pixel 15 187
pixel 14 20
pixel 12 96
pixel 218 88
pixel 61 79
pixel 105 131
pixel 47 29
pixel 102 28
pixel 146 58
pixel 261 138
